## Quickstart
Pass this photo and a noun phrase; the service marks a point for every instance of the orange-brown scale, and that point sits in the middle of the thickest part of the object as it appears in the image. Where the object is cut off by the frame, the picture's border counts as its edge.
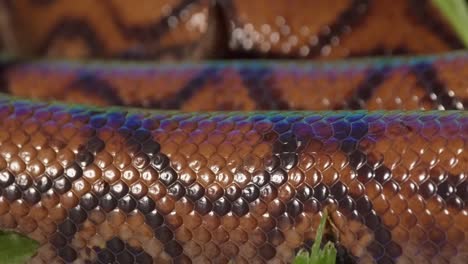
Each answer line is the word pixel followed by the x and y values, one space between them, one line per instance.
pixel 429 187
pixel 237 187
pixel 337 29
pixel 44 152
pixel 185 29
pixel 457 86
pixel 406 84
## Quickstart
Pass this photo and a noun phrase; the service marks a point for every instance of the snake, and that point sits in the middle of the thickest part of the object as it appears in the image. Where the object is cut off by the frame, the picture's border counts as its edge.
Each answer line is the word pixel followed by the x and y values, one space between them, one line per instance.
pixel 223 131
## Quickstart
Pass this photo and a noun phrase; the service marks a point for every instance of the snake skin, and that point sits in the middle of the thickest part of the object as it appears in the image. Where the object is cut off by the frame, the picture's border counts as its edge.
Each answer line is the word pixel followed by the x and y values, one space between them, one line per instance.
pixel 125 185
pixel 199 29
pixel 103 184
pixel 415 83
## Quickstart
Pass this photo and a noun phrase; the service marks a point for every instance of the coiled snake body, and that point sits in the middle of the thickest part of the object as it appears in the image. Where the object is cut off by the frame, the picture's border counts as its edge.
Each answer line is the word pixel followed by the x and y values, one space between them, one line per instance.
pixel 96 183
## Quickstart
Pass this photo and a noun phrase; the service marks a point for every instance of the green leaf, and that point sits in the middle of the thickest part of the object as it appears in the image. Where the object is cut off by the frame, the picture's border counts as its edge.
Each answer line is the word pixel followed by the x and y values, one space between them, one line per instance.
pixel 15 248
pixel 456 12
pixel 302 257
pixel 327 255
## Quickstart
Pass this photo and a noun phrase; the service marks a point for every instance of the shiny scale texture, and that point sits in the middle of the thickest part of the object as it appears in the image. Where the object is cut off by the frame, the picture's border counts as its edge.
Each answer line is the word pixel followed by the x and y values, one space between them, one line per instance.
pixel 128 185
pixel 117 185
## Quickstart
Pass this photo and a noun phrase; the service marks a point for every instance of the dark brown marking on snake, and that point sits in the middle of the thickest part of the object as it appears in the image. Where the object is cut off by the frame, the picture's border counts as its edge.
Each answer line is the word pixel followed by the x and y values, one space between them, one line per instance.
pixel 420 10
pixel 212 45
pixel 460 190
pixel 190 89
pixel 363 92
pixel 349 17
pixel 435 88
pixel 174 52
pixel 4 80
pixel 343 256
pixel 261 89
pixel 89 83
pixel 286 149
pixel 41 2
pixel 117 251
pixel 141 143
pixel 74 27
pixel 69 28
pixel 362 163
pixel 150 31
pixel 381 50
pixel 66 230
pixel 62 183
pixel 455 194
pixel 76 216
pixel 175 101
pixel 10 190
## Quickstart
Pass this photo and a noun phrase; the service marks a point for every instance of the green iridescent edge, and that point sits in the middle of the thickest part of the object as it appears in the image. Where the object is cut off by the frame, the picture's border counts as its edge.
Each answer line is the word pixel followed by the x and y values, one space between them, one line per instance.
pixel 145 112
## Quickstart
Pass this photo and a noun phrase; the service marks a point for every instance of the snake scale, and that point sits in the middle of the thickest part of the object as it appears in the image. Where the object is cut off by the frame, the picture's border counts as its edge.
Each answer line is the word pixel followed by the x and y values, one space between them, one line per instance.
pixel 187 160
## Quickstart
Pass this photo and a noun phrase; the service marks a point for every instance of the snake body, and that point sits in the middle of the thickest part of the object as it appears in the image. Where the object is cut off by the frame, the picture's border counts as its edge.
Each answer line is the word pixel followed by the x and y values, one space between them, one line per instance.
pixel 105 186
pixel 107 181
pixel 199 29
pixel 424 83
